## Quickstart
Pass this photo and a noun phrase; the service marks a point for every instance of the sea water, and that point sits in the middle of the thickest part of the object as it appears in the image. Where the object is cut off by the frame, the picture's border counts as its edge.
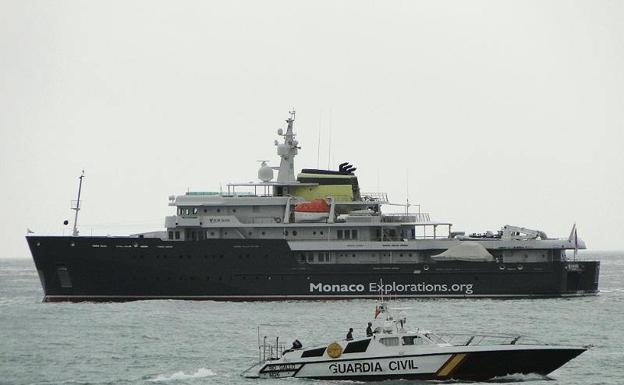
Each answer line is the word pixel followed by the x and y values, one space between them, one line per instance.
pixel 186 342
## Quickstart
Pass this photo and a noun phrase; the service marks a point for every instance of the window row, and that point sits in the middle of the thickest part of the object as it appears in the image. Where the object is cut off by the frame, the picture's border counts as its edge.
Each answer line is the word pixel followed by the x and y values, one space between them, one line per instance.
pixel 195 210
pixel 347 234
pixel 319 256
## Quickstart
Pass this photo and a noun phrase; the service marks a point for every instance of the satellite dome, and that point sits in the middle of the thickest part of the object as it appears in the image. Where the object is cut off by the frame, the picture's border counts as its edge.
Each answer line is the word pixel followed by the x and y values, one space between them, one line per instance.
pixel 283 149
pixel 265 173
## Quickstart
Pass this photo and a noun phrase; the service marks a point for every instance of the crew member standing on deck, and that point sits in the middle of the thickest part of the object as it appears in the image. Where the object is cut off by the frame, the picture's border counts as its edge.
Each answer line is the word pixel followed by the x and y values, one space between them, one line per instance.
pixel 350 334
pixel 369 330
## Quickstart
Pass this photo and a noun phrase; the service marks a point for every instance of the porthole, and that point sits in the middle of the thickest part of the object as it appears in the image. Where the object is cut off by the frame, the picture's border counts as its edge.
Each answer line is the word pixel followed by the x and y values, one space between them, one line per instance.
pixel 38 243
pixel 520 267
pixel 294 232
pixel 285 232
pixel 501 267
pixel 426 267
pixel 233 210
pixel 218 210
pixel 314 233
pixel 321 233
pixel 263 233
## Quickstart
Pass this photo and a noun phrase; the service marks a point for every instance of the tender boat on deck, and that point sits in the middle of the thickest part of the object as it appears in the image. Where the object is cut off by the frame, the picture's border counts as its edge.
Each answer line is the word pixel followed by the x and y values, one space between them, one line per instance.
pixel 393 352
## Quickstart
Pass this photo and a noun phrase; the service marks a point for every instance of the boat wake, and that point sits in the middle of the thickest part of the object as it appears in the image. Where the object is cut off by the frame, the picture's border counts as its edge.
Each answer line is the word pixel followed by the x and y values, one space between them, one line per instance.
pixel 200 373
pixel 520 378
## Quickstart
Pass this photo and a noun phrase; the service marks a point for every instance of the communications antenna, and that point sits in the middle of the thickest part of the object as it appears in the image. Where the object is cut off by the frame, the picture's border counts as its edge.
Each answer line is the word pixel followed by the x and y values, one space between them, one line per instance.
pixel 76 206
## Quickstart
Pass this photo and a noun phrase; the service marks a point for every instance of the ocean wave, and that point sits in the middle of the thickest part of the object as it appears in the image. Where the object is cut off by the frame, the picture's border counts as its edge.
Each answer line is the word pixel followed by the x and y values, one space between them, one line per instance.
pixel 200 373
pixel 520 378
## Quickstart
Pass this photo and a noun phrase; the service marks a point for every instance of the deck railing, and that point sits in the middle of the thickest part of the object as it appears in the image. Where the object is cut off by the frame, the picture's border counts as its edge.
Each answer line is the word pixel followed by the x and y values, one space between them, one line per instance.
pixel 402 217
pixel 486 339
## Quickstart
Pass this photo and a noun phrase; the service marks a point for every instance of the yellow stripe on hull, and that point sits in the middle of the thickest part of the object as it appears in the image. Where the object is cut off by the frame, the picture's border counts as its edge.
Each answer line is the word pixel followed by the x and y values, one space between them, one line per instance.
pixel 451 364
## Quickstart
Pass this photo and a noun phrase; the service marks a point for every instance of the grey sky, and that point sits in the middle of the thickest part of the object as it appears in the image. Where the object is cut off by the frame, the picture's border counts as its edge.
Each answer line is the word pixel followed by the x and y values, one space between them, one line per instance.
pixel 501 112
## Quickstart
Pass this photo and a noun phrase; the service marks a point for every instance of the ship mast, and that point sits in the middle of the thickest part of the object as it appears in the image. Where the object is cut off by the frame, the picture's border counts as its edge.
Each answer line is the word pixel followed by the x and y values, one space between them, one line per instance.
pixel 287 152
pixel 76 207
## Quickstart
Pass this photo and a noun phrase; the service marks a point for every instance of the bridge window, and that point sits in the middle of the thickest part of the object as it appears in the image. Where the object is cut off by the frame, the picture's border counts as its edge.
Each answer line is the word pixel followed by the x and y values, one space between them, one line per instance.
pixel 313 352
pixel 390 341
pixel 171 235
pixel 339 234
pixel 357 346
pixel 413 340
pixel 354 234
pixel 177 235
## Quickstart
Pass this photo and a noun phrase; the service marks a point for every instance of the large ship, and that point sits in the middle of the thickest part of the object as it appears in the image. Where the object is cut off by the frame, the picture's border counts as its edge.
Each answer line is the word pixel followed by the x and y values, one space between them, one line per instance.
pixel 309 236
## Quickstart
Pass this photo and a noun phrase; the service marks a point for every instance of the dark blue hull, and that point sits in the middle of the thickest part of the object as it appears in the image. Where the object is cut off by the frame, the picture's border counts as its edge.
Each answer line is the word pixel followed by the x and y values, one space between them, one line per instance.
pixel 123 269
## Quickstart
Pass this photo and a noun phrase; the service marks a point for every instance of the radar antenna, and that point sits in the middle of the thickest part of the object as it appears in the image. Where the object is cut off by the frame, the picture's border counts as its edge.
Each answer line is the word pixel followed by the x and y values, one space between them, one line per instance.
pixel 76 206
pixel 287 152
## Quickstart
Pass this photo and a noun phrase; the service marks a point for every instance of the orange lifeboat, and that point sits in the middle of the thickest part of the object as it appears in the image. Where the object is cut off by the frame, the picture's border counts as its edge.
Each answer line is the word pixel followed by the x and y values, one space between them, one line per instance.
pixel 314 211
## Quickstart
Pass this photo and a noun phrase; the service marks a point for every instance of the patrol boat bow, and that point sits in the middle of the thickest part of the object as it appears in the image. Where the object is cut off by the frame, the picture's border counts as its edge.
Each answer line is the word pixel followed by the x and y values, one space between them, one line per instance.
pixel 393 352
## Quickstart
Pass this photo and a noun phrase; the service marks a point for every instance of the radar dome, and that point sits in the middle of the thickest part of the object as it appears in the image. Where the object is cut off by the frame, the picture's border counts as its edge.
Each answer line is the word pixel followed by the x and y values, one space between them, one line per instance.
pixel 265 173
pixel 283 149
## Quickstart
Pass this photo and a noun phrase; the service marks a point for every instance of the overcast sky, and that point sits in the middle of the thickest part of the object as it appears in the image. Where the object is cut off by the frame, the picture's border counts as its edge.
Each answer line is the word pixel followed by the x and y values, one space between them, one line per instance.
pixel 497 112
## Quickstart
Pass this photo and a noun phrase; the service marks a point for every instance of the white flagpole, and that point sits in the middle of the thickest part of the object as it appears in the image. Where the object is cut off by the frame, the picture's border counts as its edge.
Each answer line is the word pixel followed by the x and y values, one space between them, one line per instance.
pixel 575 242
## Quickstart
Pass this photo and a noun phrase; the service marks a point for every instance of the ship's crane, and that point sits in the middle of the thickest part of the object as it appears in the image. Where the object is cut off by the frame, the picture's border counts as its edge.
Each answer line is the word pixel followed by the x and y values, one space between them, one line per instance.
pixel 515 232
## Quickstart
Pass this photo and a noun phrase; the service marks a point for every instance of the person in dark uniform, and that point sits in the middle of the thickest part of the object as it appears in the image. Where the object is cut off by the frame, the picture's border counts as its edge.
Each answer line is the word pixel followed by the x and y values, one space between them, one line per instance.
pixel 350 334
pixel 369 330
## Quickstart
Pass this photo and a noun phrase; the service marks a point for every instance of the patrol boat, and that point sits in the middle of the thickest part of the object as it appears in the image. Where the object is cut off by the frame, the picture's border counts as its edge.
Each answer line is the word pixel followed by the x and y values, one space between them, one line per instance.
pixel 314 235
pixel 393 352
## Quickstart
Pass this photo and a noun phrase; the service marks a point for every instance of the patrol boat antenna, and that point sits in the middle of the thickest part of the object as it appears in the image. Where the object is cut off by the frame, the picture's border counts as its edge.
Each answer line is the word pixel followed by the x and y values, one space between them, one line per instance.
pixel 287 152
pixel 76 206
